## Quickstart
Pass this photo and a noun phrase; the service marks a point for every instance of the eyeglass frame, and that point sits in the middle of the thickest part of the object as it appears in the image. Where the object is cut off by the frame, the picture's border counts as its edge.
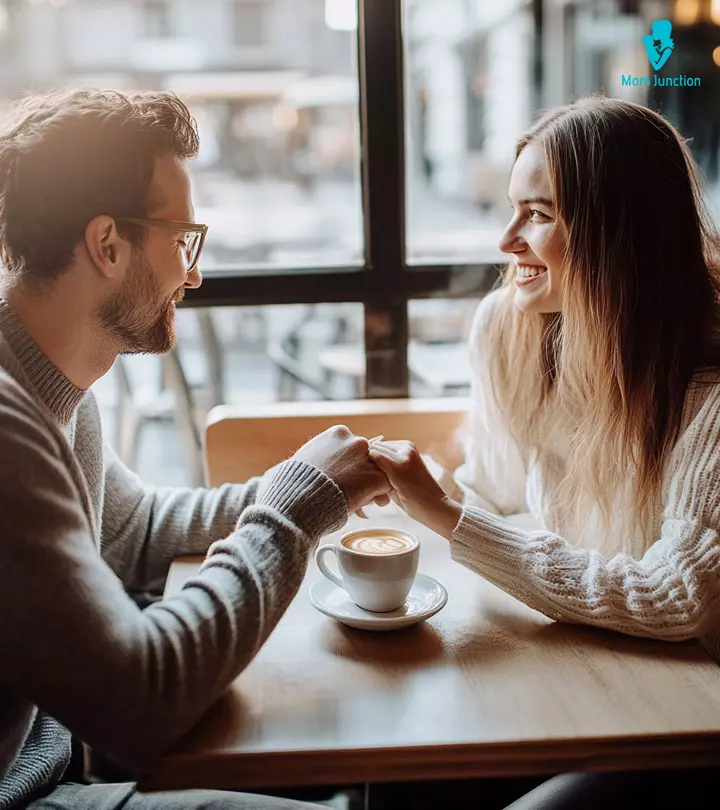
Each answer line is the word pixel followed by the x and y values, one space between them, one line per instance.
pixel 172 225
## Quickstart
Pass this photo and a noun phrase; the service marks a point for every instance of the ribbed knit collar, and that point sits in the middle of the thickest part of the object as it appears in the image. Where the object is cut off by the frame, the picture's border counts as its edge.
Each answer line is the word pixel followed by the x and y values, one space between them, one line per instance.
pixel 59 395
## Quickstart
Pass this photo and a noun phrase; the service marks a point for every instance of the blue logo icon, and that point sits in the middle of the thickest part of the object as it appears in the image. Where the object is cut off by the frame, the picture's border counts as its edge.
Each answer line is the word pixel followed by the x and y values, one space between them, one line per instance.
pixel 659 44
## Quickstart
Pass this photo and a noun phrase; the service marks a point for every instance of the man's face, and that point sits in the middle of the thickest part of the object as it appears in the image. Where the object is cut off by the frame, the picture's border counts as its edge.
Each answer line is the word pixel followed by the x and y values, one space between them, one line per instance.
pixel 141 314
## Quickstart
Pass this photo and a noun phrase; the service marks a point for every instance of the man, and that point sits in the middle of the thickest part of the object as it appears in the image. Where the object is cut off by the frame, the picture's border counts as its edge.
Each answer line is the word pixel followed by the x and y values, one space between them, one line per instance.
pixel 98 243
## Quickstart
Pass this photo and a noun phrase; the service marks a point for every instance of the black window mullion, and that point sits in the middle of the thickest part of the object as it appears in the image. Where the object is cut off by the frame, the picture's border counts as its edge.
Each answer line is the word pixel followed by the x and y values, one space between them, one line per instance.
pixel 303 286
pixel 380 55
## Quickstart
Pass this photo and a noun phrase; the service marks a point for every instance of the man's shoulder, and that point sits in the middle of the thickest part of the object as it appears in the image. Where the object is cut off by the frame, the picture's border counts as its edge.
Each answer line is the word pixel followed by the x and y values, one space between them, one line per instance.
pixel 14 396
pixel 24 422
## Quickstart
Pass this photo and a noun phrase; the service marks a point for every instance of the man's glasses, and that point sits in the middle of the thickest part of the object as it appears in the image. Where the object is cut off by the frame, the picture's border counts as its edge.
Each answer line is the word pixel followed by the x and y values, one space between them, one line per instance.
pixel 192 234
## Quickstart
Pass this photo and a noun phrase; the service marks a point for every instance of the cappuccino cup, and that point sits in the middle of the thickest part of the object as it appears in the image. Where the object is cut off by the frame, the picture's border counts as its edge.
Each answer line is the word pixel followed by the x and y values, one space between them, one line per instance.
pixel 377 566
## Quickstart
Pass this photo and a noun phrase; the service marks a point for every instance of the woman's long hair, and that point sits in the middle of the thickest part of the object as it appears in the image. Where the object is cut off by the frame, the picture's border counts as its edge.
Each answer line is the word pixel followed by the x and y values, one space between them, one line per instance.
pixel 640 309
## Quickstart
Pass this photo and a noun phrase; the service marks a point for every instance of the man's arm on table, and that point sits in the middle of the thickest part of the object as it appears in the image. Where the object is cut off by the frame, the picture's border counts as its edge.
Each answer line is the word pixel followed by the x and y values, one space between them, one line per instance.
pixel 145 527
pixel 125 681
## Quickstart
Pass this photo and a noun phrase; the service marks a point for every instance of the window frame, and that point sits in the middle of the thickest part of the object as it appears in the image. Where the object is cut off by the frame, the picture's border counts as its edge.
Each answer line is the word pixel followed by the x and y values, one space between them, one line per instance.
pixel 385 283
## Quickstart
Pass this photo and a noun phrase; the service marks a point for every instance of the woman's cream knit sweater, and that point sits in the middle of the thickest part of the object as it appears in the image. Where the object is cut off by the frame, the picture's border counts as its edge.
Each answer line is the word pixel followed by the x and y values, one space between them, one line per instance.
pixel 578 574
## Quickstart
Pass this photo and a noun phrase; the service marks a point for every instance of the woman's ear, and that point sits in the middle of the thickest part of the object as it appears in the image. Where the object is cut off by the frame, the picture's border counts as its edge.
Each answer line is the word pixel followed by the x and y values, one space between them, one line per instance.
pixel 107 250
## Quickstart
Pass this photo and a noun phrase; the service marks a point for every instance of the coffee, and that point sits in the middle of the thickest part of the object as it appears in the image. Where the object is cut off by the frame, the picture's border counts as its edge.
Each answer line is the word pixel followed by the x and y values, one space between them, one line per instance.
pixel 377 566
pixel 378 544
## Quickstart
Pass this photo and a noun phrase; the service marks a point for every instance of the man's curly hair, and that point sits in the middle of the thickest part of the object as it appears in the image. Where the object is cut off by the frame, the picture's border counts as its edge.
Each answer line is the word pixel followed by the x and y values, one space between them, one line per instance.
pixel 71 155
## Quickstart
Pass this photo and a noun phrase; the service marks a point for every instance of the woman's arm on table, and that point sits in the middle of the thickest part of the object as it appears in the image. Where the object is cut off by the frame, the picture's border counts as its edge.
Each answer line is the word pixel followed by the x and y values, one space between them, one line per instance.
pixel 672 593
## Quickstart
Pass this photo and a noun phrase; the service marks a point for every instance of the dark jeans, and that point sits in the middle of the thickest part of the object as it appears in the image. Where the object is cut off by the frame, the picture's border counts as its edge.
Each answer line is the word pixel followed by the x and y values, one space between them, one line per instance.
pixel 693 789
pixel 660 790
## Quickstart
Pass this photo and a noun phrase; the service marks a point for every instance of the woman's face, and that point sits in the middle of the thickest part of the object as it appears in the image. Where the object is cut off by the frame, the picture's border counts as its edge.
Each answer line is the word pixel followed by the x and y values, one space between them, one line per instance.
pixel 536 236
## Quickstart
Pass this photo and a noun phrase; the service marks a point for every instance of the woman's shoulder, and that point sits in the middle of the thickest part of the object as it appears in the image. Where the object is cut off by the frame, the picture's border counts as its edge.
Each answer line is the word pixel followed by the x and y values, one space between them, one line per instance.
pixel 693 472
pixel 485 313
pixel 703 395
pixel 700 426
pixel 704 386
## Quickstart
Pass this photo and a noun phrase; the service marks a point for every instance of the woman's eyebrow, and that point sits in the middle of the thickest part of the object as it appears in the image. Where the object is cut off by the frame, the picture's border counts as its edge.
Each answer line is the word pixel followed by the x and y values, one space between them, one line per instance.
pixel 535 201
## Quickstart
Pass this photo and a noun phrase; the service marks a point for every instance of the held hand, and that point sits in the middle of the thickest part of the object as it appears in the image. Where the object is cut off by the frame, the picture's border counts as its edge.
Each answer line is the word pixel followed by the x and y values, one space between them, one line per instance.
pixel 414 488
pixel 383 500
pixel 344 457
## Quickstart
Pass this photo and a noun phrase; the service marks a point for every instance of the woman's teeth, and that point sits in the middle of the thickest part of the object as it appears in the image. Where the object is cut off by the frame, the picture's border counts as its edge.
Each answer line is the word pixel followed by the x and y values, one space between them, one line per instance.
pixel 529 271
pixel 527 274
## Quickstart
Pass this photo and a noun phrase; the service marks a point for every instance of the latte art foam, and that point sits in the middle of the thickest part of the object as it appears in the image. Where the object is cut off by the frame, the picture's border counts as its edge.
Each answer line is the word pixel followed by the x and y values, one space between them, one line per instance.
pixel 378 544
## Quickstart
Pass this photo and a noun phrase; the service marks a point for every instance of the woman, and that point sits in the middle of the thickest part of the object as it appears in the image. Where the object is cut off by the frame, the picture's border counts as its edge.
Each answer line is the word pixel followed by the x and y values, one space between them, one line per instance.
pixel 596 387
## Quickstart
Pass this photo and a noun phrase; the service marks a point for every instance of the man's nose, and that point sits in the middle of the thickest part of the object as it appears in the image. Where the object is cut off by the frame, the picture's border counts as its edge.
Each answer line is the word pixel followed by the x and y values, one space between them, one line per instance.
pixel 194 278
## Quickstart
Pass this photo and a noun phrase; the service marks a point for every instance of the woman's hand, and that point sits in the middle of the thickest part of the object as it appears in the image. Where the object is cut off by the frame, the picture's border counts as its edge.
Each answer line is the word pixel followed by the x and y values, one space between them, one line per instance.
pixel 414 488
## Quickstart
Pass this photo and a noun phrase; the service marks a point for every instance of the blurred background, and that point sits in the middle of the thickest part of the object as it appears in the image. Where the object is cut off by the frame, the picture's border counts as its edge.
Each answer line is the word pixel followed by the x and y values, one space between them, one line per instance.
pixel 275 86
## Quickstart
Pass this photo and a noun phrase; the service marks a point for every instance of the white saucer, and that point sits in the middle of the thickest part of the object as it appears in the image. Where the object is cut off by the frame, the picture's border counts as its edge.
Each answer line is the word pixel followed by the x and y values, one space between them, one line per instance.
pixel 426 598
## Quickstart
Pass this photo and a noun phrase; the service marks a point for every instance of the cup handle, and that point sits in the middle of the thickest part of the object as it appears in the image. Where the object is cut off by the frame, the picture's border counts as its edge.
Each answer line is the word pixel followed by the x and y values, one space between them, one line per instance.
pixel 322 565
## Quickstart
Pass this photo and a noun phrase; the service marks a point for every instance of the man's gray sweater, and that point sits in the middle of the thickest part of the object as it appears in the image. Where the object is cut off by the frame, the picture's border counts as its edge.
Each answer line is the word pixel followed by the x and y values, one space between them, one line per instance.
pixel 78 530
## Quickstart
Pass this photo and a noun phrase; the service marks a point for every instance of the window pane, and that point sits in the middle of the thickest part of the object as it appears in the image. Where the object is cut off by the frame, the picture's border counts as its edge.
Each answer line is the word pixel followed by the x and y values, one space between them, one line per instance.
pixel 438 349
pixel 272 84
pixel 471 90
pixel 157 18
pixel 606 47
pixel 467 95
pixel 229 355
pixel 249 22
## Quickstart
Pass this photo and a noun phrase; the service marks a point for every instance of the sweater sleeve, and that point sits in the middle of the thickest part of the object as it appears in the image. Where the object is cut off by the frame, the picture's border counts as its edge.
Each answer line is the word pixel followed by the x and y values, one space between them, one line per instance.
pixel 130 682
pixel 671 593
pixel 493 474
pixel 144 527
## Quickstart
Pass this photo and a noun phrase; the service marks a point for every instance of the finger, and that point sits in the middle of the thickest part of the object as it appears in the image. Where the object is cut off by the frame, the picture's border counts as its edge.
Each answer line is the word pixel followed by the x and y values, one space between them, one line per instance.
pixel 383 452
pixel 375 439
pixel 379 486
pixel 387 464
pixel 392 446
pixel 378 451
pixel 361 513
pixel 382 500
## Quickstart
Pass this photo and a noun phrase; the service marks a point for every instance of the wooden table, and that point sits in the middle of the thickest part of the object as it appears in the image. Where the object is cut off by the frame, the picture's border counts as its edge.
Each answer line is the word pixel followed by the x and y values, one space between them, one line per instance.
pixel 486 687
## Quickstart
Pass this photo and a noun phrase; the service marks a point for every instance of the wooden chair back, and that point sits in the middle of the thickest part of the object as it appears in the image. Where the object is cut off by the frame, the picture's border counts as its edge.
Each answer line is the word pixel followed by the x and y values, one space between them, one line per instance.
pixel 243 442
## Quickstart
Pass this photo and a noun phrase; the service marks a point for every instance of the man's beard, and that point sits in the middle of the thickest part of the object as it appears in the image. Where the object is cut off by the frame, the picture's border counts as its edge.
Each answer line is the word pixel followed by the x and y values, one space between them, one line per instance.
pixel 137 317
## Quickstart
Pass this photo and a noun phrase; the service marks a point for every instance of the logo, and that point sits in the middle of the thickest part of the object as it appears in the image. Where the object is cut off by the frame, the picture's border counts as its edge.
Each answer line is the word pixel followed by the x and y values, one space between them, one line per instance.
pixel 659 45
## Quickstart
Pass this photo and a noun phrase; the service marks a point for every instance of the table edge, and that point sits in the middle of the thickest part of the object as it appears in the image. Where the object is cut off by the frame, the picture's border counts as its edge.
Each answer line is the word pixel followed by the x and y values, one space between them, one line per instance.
pixel 282 769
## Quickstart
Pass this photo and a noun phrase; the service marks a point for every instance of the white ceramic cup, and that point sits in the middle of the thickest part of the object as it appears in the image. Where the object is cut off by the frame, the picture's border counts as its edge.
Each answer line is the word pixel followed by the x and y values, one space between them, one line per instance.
pixel 376 582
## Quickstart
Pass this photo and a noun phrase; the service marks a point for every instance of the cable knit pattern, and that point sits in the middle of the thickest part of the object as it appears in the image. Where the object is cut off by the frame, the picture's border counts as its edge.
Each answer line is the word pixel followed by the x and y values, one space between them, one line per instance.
pixel 46 753
pixel 306 496
pixel 670 592
pixel 77 531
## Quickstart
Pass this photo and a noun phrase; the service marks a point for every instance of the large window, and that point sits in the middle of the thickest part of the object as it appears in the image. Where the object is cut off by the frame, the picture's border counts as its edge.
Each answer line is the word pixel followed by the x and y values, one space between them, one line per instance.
pixel 157 18
pixel 249 22
pixel 354 162
pixel 245 356
pixel 274 92
pixel 467 96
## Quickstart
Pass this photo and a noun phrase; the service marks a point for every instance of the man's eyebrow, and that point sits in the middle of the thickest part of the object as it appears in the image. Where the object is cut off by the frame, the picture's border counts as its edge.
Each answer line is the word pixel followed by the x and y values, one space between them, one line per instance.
pixel 535 201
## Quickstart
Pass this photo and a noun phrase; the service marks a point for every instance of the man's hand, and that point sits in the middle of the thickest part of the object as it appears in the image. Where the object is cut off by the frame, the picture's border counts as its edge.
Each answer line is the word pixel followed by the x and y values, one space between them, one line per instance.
pixel 345 458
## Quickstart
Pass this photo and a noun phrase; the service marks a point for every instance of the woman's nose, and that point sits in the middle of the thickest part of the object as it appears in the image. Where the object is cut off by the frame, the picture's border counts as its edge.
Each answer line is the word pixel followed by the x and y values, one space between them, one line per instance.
pixel 511 241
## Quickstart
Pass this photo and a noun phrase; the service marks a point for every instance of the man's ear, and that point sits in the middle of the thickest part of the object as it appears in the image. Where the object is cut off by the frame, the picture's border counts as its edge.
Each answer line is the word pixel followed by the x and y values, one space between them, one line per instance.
pixel 107 250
